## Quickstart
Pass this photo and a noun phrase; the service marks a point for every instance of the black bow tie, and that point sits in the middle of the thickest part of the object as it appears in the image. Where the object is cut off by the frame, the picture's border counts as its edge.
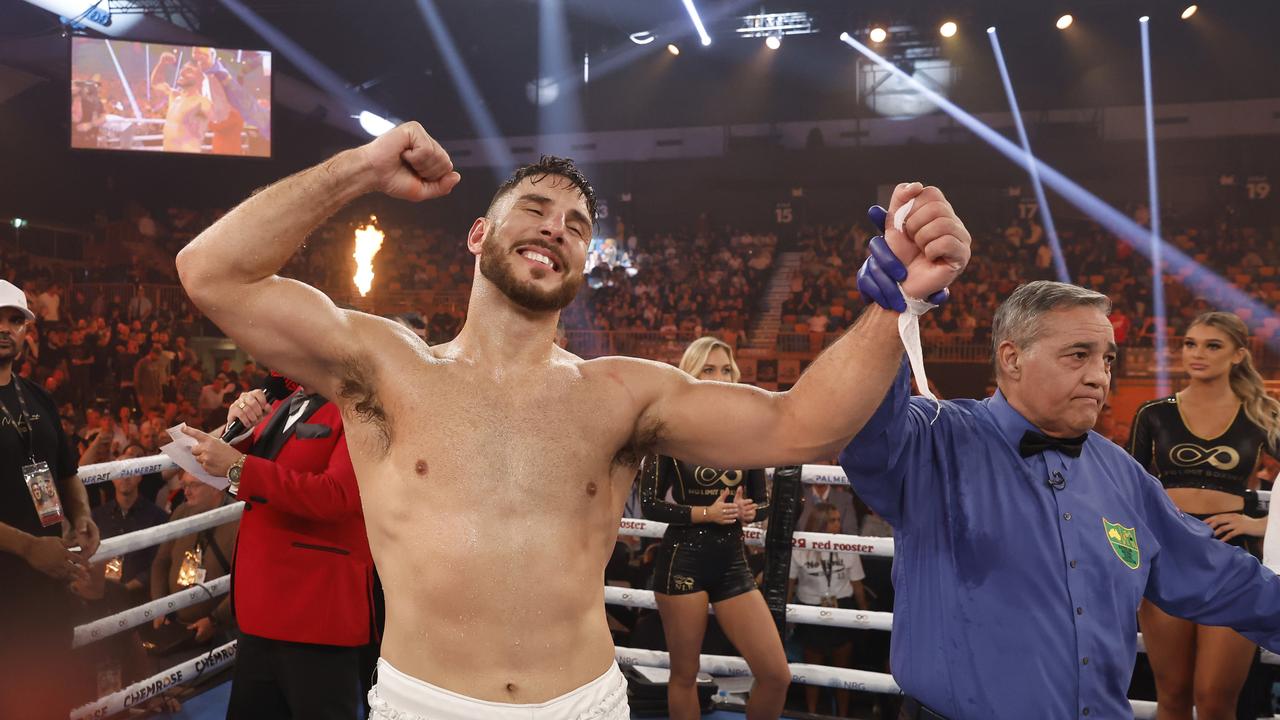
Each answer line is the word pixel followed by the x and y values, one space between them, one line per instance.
pixel 1033 443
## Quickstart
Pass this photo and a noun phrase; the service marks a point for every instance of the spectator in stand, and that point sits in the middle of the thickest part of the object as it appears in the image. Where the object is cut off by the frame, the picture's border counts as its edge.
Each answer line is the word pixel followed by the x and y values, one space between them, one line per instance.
pixel 140 306
pixel 50 304
pixel 82 357
pixel 196 559
pixel 832 580
pixel 150 375
pixel 211 396
pixel 128 511
pixel 189 384
pixel 250 376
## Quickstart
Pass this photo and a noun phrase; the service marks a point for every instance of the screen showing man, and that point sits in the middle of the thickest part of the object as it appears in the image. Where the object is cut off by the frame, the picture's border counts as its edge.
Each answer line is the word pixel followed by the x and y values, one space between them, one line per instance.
pixel 166 98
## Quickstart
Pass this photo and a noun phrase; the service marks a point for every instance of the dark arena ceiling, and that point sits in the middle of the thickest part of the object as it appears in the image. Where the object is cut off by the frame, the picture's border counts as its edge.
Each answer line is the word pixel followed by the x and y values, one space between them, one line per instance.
pixel 383 53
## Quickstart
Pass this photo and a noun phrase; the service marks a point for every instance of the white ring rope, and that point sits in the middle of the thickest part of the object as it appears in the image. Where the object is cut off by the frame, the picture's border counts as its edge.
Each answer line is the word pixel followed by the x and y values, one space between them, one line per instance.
pixel 814 615
pixel 149 537
pixel 846 544
pixel 152 536
pixel 146 612
pixel 103 472
pixel 108 471
pixel 804 674
pixel 834 475
pixel 716 665
pixel 802 614
pixel 139 692
pixel 732 666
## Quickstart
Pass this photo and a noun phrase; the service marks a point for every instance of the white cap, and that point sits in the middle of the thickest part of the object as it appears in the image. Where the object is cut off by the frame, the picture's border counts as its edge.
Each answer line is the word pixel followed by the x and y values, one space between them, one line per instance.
pixel 12 296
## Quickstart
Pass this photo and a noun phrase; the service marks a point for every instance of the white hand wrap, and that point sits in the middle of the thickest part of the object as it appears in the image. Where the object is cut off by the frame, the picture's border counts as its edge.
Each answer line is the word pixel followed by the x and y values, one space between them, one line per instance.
pixel 909 324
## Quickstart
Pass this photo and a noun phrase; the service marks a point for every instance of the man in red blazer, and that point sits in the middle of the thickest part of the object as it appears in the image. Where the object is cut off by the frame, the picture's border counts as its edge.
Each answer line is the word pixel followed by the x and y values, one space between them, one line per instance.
pixel 302 580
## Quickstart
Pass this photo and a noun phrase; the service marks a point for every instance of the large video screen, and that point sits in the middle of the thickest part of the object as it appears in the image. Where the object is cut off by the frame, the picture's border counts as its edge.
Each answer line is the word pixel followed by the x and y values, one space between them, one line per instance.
pixel 157 97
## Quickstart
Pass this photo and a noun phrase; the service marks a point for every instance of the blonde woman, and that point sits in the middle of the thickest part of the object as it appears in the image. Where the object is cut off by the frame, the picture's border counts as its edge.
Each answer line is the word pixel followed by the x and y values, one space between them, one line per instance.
pixel 702 559
pixel 1204 444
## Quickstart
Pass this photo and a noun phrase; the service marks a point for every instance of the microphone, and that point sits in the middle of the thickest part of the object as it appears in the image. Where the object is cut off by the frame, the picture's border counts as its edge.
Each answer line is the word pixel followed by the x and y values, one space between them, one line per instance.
pixel 1057 481
pixel 275 387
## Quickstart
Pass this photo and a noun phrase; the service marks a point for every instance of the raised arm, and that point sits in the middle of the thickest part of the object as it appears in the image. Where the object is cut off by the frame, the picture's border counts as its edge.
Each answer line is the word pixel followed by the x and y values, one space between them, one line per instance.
pixel 158 73
pixel 229 270
pixel 725 425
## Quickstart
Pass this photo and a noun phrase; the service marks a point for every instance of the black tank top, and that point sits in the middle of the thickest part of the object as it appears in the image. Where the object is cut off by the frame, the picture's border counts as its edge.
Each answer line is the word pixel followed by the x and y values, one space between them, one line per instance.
pixel 1161 442
pixel 694 486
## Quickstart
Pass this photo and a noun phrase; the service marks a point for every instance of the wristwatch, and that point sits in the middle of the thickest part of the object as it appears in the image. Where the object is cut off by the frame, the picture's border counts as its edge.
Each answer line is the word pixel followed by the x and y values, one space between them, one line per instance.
pixel 233 474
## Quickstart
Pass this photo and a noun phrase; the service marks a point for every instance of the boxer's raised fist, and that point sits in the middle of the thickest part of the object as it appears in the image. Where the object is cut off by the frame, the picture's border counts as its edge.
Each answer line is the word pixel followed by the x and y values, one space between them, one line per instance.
pixel 933 244
pixel 408 163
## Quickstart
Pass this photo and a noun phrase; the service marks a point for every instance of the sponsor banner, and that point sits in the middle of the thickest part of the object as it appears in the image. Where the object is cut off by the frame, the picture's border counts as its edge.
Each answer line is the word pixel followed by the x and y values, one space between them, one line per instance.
pixel 139 693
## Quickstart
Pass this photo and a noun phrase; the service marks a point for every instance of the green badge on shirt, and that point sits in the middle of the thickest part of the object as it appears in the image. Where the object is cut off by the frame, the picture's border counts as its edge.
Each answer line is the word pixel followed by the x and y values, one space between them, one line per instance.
pixel 1124 541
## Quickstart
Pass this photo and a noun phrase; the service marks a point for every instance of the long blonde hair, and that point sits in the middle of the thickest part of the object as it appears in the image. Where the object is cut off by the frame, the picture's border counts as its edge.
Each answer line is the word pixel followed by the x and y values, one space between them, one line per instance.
pixel 695 356
pixel 1261 409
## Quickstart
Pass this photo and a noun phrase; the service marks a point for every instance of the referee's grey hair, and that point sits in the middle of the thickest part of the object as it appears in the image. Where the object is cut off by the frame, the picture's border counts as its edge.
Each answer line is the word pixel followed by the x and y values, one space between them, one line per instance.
pixel 1018 318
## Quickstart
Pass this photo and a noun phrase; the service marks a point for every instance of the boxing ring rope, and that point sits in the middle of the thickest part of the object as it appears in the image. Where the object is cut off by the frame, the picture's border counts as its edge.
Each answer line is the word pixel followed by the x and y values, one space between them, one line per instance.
pixel 843 678
pixel 146 612
pixel 152 536
pixel 804 674
pixel 144 690
pixel 834 475
pixel 104 472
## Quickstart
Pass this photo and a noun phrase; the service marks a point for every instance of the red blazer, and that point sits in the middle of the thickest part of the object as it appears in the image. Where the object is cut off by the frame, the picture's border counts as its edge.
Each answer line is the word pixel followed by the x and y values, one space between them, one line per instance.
pixel 303 571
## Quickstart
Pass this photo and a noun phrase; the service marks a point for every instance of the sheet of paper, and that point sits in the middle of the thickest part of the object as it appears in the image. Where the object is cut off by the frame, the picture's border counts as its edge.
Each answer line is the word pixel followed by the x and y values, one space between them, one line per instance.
pixel 179 451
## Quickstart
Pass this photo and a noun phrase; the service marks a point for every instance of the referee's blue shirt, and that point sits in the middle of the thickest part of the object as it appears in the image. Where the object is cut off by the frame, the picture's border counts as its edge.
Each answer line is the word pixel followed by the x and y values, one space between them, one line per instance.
pixel 1017 600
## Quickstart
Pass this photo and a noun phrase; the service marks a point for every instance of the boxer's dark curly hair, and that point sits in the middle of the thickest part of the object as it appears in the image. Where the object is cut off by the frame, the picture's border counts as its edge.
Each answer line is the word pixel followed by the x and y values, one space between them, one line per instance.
pixel 550 165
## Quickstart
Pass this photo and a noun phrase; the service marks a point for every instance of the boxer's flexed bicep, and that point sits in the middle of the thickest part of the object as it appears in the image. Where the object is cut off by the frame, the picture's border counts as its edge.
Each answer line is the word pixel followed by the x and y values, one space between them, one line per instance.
pixel 717 424
pixel 229 270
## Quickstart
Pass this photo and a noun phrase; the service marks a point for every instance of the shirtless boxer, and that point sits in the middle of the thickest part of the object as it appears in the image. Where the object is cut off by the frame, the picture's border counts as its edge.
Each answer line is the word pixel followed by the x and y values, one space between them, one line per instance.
pixel 189 111
pixel 493 468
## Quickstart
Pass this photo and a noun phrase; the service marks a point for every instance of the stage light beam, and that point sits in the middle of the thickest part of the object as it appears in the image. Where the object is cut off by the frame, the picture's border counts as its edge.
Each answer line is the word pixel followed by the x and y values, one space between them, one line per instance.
pixel 496 150
pixel 948 29
pixel 374 124
pixel 1157 269
pixel 1195 276
pixel 1065 21
pixel 697 22
pixel 1046 217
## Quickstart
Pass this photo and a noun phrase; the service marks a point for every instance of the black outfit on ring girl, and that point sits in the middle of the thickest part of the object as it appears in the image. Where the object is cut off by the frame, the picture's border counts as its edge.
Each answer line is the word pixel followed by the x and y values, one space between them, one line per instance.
pixel 1163 444
pixel 706 557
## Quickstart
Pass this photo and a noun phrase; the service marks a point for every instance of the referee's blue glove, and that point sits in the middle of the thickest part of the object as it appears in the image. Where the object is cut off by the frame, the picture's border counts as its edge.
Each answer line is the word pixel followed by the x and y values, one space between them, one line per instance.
pixel 879 276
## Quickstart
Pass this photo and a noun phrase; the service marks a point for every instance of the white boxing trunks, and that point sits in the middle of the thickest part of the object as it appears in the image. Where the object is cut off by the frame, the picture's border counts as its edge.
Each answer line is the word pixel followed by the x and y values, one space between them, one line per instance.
pixel 397 696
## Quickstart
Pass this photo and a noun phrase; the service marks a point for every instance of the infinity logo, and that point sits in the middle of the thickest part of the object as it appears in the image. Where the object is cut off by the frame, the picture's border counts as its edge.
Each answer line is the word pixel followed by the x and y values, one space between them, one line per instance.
pixel 708 477
pixel 1222 457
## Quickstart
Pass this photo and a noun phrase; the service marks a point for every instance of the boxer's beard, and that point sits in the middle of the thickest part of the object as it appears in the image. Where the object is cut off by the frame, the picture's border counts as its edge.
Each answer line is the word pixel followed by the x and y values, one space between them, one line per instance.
pixel 496 265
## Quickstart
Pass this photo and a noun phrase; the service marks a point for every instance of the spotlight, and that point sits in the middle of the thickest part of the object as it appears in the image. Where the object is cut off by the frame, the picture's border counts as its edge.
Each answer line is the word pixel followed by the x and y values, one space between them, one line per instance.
pixel 1191 10
pixel 991 30
pixel 1065 21
pixel 878 35
pixel 673 49
pixel 948 29
pixel 1144 18
pixel 773 42
pixel 644 37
